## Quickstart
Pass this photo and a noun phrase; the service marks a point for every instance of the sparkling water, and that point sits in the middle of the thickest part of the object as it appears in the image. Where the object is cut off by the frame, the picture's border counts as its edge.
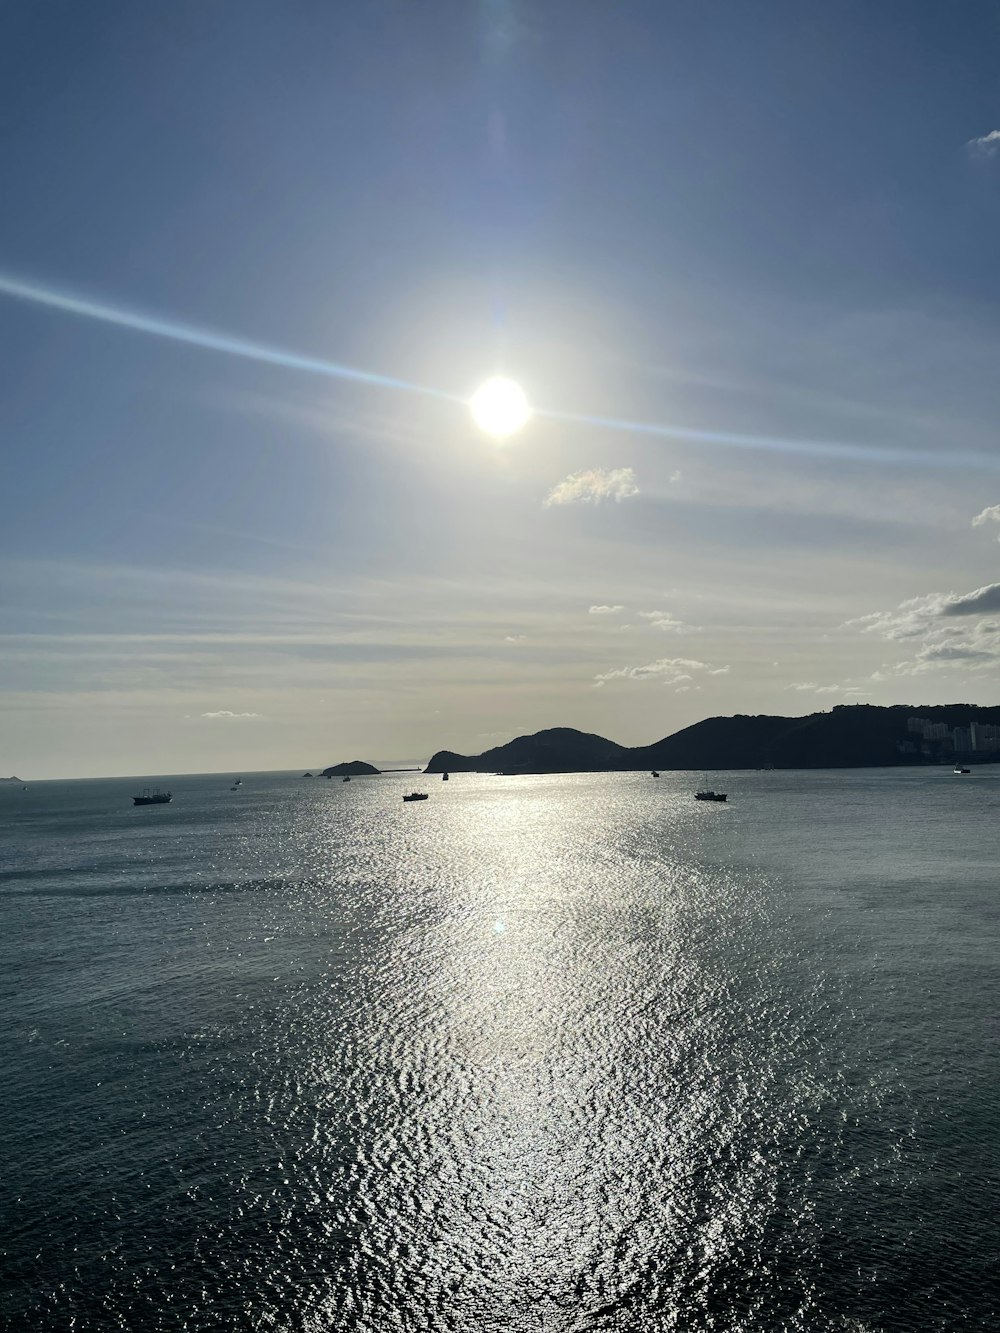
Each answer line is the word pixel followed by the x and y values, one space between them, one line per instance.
pixel 540 1053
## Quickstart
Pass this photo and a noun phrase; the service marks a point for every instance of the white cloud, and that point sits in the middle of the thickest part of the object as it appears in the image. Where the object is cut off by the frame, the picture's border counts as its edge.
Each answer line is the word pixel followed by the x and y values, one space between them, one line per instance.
pixel 917 616
pixel 929 621
pixel 515 638
pixel 987 145
pixel 228 716
pixel 811 687
pixel 593 486
pixel 983 601
pixel 667 670
pixel 664 620
pixel 605 610
pixel 991 514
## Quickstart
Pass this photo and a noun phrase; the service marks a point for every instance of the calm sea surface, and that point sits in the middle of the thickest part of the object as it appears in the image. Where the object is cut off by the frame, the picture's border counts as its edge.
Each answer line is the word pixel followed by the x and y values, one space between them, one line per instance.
pixel 559 1053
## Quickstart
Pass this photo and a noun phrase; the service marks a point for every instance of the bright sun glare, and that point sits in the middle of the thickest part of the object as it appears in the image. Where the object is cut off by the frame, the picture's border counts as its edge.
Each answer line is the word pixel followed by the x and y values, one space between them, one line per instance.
pixel 500 407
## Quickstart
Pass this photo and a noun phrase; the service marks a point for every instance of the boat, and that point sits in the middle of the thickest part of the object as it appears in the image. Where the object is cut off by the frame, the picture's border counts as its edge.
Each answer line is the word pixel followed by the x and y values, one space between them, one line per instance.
pixel 706 793
pixel 956 769
pixel 238 782
pixel 147 797
pixel 235 787
pixel 347 778
pixel 655 774
pixel 416 796
pixel 444 777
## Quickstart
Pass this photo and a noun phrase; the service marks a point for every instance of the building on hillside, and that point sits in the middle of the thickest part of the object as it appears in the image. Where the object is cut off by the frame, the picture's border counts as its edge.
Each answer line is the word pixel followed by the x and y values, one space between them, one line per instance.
pixel 929 731
pixel 985 737
pixel 961 738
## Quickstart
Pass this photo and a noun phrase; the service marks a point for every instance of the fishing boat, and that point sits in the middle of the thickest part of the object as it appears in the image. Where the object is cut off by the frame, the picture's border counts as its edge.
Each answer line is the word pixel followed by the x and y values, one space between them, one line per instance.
pixel 416 796
pixel 347 778
pixel 706 793
pixel 956 769
pixel 655 774
pixel 444 777
pixel 148 797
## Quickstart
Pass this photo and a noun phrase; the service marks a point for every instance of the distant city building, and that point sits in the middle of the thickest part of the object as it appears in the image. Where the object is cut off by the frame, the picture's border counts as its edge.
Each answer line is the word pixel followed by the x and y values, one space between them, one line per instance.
pixel 961 738
pixel 929 731
pixel 975 738
pixel 984 736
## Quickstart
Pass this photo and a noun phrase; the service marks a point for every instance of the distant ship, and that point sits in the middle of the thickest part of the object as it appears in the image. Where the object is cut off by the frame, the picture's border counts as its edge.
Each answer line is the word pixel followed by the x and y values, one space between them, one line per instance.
pixel 416 796
pixel 147 797
pixel 444 777
pixel 956 769
pixel 655 774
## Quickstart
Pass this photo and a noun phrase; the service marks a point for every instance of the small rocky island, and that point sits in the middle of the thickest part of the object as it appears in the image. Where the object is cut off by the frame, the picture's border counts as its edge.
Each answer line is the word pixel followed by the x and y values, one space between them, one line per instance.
pixel 354 768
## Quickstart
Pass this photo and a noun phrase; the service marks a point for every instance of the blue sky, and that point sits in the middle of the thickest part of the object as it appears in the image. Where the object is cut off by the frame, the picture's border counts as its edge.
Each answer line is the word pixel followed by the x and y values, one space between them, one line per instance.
pixel 766 231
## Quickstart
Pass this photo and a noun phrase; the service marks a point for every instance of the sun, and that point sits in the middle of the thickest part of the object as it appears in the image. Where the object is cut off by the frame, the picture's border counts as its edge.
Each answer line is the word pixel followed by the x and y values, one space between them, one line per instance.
pixel 500 407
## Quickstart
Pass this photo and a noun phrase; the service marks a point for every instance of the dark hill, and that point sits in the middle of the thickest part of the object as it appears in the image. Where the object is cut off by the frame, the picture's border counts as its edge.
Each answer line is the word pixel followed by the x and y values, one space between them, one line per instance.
pixel 355 768
pixel 559 750
pixel 849 736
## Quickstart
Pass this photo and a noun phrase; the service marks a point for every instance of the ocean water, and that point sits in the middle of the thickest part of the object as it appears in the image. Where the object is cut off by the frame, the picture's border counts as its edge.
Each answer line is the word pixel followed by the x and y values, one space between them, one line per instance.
pixel 554 1053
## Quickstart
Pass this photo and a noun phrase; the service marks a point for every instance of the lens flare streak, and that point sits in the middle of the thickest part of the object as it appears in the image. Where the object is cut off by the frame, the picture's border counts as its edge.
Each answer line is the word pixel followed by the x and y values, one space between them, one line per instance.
pixel 154 326
pixel 195 337
pixel 862 453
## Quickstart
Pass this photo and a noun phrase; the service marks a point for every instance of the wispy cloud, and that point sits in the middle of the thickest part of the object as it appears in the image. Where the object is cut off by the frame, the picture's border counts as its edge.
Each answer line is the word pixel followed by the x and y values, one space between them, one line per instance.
pixel 991 514
pixel 984 601
pixel 668 623
pixel 987 145
pixel 514 638
pixel 667 670
pixel 593 486
pixel 812 687
pixel 914 617
pixel 605 610
pixel 226 715
pixel 929 623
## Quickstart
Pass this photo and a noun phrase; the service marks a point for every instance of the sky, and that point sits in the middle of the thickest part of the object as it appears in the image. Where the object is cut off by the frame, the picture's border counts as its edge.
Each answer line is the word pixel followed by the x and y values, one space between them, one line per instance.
pixel 255 258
